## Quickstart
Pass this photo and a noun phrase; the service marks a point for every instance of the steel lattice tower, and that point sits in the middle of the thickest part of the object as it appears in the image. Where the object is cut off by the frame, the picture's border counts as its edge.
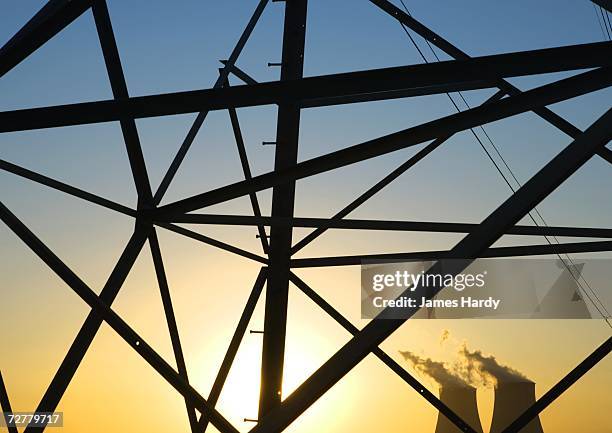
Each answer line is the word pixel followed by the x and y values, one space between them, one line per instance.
pixel 292 93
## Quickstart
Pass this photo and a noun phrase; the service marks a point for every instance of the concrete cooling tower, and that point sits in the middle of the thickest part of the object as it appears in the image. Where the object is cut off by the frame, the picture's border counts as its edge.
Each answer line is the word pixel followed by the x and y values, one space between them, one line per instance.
pixel 511 400
pixel 462 400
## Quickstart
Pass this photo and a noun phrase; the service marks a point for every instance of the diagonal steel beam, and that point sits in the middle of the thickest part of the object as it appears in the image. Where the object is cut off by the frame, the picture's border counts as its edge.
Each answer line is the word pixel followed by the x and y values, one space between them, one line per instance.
pixel 92 324
pixel 424 79
pixel 540 96
pixel 606 154
pixel 389 225
pixel 244 161
pixel 383 356
pixel 375 188
pixel 232 350
pixel 518 251
pixel 369 193
pixel 175 339
pixel 214 242
pixel 473 245
pixel 120 92
pixel 572 377
pixel 102 311
pixel 333 100
pixel 5 405
pixel 197 124
pixel 51 19
pixel 63 187
pixel 233 69
pixel 450 49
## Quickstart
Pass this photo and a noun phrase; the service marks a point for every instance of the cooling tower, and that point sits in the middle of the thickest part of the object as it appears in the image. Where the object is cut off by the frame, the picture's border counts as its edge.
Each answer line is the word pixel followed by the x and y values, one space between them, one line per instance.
pixel 511 400
pixel 462 400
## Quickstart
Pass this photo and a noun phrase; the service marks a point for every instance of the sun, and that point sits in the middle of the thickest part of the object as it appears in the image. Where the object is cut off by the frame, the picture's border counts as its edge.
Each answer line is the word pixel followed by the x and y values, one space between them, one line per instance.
pixel 240 397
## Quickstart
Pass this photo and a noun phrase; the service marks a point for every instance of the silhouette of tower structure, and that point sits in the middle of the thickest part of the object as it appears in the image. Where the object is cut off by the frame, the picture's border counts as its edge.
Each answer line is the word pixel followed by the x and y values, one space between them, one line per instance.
pixel 292 93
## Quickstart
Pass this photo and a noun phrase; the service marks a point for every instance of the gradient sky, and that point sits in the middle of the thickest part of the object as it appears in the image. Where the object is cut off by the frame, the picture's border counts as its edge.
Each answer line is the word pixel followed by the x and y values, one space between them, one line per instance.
pixel 172 46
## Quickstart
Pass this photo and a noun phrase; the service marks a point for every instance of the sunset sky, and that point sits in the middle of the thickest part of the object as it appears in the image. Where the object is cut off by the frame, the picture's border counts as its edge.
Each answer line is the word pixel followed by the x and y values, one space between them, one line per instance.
pixel 172 46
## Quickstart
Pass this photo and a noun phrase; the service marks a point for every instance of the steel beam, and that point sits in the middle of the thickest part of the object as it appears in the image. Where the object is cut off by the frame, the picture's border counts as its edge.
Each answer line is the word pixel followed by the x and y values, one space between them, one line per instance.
pixel 301 93
pixel 5 406
pixel 387 225
pixel 232 350
pixel 243 76
pixel 450 49
pixel 369 193
pixel 283 198
pixel 102 311
pixel 92 323
pixel 120 93
pixel 246 169
pixel 383 356
pixel 424 79
pixel 65 188
pixel 606 154
pixel 375 188
pixel 52 18
pixel 518 251
pixel 338 100
pixel 175 339
pixel 507 107
pixel 332 222
pixel 213 242
pixel 199 120
pixel 473 245
pixel 572 377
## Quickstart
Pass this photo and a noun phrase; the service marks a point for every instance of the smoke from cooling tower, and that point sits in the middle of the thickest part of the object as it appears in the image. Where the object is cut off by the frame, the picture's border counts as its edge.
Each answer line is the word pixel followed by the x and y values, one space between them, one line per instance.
pixel 437 371
pixel 476 368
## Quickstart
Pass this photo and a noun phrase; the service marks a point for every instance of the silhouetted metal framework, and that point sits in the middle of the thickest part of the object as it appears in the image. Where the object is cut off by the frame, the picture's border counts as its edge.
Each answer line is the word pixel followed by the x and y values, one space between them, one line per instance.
pixel 292 93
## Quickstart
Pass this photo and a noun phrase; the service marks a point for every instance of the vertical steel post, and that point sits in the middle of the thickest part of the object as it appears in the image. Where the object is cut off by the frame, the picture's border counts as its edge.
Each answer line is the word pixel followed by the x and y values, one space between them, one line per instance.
pixel 283 195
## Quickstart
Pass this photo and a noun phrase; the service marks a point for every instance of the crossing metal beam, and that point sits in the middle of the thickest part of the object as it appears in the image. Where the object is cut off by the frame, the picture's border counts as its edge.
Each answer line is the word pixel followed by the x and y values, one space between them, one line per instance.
pixel 473 245
pixel 199 120
pixel 540 96
pixel 103 312
pixel 387 225
pixel 423 79
pixel 504 85
pixel 120 92
pixel 560 387
pixel 164 290
pixel 65 188
pixel 517 251
pixel 292 93
pixel 51 19
pixel 234 345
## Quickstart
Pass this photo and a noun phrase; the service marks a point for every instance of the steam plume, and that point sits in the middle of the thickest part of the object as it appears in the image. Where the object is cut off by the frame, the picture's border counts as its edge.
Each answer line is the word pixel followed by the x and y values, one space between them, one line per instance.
pixel 475 367
pixel 435 370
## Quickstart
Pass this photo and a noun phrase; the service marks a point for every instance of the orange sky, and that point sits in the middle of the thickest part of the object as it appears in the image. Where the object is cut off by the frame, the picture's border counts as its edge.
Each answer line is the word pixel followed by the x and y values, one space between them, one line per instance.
pixel 114 388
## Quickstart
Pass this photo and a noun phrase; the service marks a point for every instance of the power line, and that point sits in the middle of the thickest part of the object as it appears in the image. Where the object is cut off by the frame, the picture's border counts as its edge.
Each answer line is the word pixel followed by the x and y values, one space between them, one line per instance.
pixel 606 23
pixel 607 14
pixel 599 306
pixel 603 32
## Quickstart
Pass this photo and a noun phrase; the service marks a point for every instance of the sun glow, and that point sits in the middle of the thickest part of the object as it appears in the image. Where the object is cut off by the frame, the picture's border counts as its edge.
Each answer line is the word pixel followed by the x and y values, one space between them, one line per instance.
pixel 239 399
pixel 240 396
